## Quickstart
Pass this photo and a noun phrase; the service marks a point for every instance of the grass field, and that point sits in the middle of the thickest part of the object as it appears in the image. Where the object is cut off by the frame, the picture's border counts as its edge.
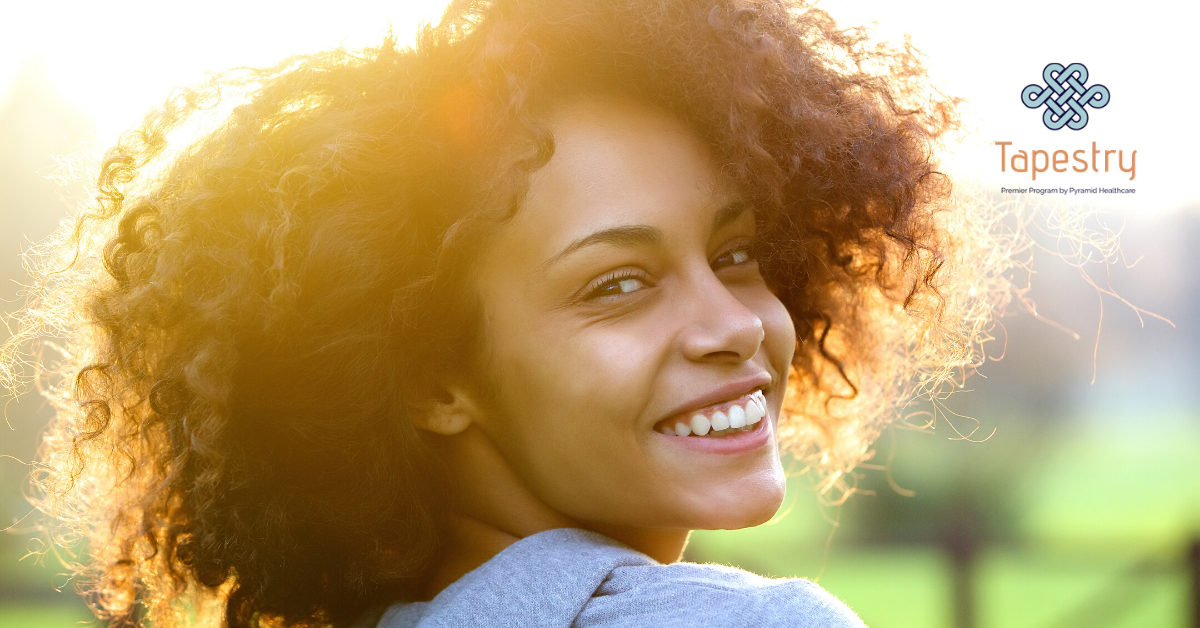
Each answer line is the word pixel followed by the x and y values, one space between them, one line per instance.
pixel 21 615
pixel 1016 588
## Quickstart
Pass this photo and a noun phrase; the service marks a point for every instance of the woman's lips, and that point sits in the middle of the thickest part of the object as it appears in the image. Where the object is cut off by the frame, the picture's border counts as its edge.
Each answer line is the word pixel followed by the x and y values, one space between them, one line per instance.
pixel 717 420
pixel 729 426
pixel 739 441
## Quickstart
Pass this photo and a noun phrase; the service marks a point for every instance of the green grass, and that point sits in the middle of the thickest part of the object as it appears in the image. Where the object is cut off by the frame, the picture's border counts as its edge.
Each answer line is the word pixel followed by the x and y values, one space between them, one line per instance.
pixel 911 587
pixel 20 615
pixel 1118 590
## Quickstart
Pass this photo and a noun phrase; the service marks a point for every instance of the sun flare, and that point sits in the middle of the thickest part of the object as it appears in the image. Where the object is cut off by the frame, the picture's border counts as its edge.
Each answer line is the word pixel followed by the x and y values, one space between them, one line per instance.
pixel 113 61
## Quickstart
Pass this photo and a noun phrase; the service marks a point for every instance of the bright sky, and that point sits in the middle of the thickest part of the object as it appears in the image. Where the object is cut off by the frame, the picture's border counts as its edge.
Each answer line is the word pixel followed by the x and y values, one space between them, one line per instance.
pixel 115 59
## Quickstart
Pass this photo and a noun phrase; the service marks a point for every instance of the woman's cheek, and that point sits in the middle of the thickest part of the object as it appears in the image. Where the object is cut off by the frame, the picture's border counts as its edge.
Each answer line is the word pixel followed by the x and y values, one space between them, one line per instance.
pixel 591 381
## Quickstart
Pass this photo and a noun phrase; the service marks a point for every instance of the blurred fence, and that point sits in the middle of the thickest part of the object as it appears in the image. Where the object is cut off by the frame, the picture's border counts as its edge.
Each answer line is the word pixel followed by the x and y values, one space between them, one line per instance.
pixel 1107 605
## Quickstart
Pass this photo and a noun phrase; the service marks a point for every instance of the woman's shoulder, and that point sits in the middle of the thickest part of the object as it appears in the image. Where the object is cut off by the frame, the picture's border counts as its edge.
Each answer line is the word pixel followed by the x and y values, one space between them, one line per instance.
pixel 691 594
pixel 570 577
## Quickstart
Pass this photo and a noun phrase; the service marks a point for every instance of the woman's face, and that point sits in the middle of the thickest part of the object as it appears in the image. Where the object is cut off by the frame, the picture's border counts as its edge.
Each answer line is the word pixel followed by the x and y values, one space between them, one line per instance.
pixel 620 303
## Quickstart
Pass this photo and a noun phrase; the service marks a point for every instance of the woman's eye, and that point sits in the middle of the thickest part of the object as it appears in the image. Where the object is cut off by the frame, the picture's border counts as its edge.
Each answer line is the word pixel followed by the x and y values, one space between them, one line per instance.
pixel 616 286
pixel 740 255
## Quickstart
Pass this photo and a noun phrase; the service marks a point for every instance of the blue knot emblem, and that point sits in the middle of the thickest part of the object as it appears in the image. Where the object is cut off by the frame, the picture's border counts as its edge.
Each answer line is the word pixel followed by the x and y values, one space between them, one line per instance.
pixel 1065 96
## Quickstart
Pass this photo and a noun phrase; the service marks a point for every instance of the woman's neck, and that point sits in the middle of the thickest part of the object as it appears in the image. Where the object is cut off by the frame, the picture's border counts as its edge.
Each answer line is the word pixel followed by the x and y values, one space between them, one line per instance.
pixel 468 544
pixel 496 510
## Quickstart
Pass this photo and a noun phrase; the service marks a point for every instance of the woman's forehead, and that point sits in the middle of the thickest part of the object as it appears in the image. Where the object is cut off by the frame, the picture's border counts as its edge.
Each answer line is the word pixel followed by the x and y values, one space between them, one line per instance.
pixel 619 162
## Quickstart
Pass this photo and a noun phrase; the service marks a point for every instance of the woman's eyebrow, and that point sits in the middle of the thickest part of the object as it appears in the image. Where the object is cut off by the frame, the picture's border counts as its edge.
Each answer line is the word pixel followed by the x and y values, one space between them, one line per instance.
pixel 641 235
pixel 625 235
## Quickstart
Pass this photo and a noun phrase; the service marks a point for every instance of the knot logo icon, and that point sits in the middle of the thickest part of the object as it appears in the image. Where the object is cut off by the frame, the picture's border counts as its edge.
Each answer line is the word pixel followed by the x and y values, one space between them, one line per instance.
pixel 1065 96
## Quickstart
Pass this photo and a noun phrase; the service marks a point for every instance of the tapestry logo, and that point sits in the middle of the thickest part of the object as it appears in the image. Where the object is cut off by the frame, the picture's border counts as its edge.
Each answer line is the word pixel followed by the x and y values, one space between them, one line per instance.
pixel 1065 96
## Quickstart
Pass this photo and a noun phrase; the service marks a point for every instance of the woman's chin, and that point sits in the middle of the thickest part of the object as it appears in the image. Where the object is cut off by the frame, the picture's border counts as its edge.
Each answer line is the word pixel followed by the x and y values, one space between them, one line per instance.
pixel 738 505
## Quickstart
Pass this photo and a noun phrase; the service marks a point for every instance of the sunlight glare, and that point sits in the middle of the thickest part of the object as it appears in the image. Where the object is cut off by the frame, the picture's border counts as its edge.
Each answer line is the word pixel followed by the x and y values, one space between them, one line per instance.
pixel 115 60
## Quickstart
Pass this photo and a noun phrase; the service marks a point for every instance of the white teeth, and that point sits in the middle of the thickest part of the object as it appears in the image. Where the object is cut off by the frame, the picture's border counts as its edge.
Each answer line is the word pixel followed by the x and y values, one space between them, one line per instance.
pixel 737 417
pixel 734 417
pixel 754 413
pixel 720 421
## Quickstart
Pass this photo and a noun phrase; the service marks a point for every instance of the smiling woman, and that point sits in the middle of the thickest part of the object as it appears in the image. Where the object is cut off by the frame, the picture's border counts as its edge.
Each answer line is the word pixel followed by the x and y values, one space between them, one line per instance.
pixel 476 333
pixel 614 306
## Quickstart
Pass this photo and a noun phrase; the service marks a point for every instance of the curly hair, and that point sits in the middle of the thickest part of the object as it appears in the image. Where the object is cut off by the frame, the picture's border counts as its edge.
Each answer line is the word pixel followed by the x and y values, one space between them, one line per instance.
pixel 252 316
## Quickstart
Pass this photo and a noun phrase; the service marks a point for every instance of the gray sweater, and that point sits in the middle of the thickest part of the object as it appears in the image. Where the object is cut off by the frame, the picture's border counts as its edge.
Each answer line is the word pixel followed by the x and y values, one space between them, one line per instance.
pixel 576 578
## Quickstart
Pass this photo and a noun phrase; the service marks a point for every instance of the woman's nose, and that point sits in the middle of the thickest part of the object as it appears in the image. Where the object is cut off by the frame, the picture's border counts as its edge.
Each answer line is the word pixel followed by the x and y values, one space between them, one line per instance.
pixel 719 326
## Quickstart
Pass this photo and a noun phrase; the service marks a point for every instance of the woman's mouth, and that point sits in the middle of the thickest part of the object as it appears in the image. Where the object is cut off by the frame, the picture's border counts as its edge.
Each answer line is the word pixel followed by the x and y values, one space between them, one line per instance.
pixel 718 420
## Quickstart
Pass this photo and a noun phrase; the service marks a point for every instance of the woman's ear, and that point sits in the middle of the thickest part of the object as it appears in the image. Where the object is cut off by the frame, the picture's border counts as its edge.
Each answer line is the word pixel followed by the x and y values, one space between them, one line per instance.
pixel 449 413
